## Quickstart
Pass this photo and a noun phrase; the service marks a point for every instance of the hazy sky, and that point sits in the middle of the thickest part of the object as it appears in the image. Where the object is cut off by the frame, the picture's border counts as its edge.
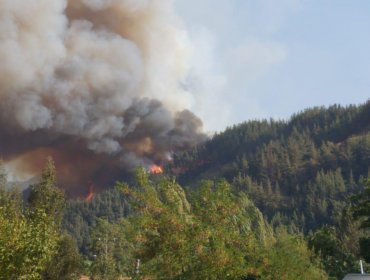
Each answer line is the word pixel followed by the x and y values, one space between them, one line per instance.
pixel 271 58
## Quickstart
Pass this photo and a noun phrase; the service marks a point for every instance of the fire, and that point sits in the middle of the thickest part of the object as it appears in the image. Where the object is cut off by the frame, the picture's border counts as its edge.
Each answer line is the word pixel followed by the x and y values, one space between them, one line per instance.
pixel 156 169
pixel 90 194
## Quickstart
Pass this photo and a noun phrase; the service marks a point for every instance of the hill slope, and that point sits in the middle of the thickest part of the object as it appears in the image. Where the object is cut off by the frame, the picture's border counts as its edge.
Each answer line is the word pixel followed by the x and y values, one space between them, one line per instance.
pixel 298 172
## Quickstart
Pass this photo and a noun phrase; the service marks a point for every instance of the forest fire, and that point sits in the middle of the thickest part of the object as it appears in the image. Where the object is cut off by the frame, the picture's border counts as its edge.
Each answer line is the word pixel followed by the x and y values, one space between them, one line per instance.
pixel 156 169
pixel 98 98
pixel 90 194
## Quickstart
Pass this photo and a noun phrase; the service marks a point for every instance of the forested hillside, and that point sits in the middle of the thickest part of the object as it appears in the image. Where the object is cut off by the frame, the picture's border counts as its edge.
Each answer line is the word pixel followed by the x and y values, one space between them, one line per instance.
pixel 299 172
pixel 81 216
pixel 302 174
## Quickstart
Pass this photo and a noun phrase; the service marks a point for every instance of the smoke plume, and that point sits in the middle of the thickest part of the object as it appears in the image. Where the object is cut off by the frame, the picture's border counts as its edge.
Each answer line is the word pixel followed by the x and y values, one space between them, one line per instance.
pixel 94 83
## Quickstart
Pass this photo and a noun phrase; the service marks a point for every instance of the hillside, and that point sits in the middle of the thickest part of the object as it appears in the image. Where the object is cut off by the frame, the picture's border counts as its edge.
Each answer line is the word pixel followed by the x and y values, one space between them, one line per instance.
pixel 299 171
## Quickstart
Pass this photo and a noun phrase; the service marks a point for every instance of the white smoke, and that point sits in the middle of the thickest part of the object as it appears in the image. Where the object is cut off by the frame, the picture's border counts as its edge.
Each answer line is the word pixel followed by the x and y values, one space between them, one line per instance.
pixel 104 72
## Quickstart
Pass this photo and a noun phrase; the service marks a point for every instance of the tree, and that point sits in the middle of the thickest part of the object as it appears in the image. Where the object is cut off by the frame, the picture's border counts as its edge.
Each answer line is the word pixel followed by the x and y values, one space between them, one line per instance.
pixel 290 259
pixel 66 263
pixel 46 196
pixel 336 260
pixel 211 233
pixel 160 227
pixel 228 233
pixel 26 244
pixel 29 236
pixel 111 252
pixel 361 211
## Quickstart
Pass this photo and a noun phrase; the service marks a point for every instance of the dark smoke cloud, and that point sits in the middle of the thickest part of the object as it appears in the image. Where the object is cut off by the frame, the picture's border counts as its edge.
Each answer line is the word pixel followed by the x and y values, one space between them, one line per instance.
pixel 93 83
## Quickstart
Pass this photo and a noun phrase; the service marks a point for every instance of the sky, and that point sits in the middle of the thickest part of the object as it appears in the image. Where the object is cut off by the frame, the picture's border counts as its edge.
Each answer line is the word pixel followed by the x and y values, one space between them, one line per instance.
pixel 258 59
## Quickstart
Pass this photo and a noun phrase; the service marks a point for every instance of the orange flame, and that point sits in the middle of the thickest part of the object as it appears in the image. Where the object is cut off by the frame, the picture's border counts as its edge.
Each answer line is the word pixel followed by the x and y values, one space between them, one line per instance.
pixel 90 194
pixel 156 169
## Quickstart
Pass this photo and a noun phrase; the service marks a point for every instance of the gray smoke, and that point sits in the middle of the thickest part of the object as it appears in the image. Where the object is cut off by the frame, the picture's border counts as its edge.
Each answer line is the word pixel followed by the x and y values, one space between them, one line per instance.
pixel 93 83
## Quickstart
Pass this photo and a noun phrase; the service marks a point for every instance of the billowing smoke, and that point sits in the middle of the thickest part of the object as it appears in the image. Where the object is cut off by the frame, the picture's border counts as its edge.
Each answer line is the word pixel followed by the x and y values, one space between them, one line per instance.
pixel 94 83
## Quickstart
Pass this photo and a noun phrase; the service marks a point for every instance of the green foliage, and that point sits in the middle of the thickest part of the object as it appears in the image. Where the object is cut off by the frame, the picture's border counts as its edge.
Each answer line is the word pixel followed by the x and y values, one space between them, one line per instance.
pixel 26 244
pixel 111 252
pixel 229 231
pixel 29 236
pixel 80 217
pixel 299 172
pixel 46 196
pixel 336 260
pixel 176 239
pixel 364 248
pixel 361 210
pixel 290 259
pixel 213 233
pixel 66 263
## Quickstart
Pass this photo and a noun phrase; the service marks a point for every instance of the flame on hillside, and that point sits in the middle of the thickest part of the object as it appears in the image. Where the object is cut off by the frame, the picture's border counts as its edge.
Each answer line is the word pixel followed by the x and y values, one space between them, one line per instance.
pixel 156 169
pixel 90 194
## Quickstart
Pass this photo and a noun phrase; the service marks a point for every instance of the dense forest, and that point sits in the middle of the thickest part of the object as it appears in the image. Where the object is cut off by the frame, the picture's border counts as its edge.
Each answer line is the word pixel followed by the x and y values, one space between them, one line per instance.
pixel 299 172
pixel 265 199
